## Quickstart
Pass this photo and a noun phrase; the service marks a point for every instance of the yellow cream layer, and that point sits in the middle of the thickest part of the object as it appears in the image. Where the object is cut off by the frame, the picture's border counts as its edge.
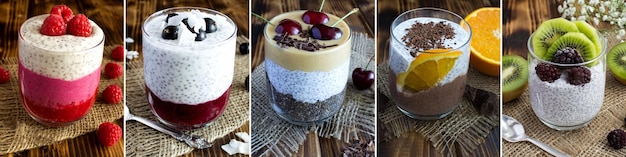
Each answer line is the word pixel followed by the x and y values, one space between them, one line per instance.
pixel 295 59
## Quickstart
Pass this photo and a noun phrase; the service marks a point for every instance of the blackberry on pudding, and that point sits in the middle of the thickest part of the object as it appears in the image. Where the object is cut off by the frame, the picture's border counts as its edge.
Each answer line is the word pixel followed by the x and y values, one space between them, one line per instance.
pixel 189 57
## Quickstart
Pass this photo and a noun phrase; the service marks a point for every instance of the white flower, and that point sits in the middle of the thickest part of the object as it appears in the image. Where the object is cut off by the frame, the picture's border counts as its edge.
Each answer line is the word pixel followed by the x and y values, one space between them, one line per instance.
pixel 622 32
pixel 570 1
pixel 602 9
pixel 582 18
pixel 596 21
pixel 560 9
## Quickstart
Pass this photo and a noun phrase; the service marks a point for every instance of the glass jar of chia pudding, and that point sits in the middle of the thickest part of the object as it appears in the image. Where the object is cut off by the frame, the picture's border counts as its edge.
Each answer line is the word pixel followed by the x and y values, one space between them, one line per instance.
pixel 574 96
pixel 189 60
pixel 306 86
pixel 58 75
pixel 428 61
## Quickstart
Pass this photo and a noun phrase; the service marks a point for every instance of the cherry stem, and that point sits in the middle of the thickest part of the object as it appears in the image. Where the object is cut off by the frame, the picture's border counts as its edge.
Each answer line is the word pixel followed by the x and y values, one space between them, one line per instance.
pixel 321 6
pixel 350 13
pixel 262 18
pixel 368 63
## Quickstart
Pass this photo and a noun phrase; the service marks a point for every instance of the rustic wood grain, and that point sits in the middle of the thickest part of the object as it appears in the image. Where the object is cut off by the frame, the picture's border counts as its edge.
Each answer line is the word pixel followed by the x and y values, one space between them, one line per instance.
pixel 138 10
pixel 411 143
pixel 108 15
pixel 520 19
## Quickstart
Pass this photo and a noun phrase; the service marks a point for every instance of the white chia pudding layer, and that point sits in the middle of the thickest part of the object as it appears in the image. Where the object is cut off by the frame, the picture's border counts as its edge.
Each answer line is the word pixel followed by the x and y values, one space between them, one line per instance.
pixel 308 87
pixel 185 71
pixel 66 57
pixel 562 104
pixel 400 56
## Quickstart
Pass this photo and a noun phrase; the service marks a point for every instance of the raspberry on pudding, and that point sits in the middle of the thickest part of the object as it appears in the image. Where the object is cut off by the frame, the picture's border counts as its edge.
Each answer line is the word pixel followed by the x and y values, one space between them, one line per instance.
pixel 58 72
pixel 189 57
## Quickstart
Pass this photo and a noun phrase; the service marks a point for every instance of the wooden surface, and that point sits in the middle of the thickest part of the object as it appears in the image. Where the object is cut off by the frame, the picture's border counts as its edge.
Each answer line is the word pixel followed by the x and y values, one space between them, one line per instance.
pixel 520 19
pixel 108 15
pixel 411 143
pixel 363 21
pixel 237 10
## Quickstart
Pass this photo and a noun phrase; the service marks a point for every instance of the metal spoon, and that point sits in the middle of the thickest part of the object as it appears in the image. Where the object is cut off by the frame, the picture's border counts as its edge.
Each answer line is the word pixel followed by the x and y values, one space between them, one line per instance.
pixel 513 131
pixel 191 140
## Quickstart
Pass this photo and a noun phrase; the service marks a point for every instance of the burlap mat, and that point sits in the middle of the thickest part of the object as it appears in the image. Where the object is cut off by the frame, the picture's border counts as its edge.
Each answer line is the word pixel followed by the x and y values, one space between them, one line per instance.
pixel 272 136
pixel 18 131
pixel 465 126
pixel 142 140
pixel 587 141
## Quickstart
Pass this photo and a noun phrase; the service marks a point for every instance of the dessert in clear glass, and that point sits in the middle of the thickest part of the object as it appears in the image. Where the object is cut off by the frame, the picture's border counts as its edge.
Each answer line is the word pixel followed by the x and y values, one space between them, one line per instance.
pixel 189 59
pixel 428 60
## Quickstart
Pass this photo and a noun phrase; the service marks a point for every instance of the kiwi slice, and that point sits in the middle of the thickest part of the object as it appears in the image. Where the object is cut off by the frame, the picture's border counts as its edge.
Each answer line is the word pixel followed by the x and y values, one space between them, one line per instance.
pixel 548 32
pixel 575 40
pixel 591 33
pixel 514 77
pixel 616 61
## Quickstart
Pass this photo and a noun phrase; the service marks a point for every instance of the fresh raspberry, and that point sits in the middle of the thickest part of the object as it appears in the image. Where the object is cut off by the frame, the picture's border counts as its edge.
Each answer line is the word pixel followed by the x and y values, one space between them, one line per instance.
pixel 79 26
pixel 118 53
pixel 63 11
pixel 547 72
pixel 578 75
pixel 53 26
pixel 567 56
pixel 112 94
pixel 109 133
pixel 5 76
pixel 617 139
pixel 113 70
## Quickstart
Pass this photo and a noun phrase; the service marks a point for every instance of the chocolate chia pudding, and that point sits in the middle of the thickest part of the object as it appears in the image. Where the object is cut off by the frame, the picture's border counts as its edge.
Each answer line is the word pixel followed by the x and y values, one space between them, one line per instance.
pixel 411 37
pixel 306 84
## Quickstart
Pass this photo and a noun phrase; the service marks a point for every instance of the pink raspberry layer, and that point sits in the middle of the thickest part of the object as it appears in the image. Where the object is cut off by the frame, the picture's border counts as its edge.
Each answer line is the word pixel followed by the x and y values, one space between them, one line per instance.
pixel 51 100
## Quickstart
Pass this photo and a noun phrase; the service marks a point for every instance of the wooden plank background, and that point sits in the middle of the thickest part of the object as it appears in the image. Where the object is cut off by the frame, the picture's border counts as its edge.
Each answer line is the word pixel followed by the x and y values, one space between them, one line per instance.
pixel 237 10
pixel 108 15
pixel 363 21
pixel 413 144
pixel 520 19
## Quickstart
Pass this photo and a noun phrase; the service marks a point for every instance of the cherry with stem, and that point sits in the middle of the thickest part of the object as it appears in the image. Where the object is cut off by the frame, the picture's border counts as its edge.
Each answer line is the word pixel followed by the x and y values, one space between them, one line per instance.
pixel 363 79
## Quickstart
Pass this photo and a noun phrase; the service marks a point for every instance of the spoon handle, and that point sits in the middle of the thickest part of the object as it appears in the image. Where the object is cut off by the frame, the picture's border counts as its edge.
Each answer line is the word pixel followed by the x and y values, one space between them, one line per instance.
pixel 548 148
pixel 167 130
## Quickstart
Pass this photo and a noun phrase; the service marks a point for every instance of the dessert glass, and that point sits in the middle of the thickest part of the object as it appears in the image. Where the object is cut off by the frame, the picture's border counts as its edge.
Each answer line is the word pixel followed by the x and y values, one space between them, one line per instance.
pixel 560 105
pixel 58 75
pixel 188 82
pixel 440 100
pixel 306 87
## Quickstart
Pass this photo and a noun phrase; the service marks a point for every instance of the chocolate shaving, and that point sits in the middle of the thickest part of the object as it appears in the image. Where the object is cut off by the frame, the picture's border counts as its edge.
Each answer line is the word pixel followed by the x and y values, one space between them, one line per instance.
pixel 357 148
pixel 484 101
pixel 425 36
pixel 284 41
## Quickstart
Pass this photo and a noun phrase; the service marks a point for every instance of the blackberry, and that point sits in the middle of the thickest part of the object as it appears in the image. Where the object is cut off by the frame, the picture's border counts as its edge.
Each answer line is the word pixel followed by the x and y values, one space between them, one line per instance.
pixel 578 75
pixel 617 139
pixel 547 72
pixel 567 56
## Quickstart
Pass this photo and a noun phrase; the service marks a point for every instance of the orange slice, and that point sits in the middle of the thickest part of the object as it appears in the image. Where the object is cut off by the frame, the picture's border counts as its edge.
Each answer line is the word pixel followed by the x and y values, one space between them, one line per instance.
pixel 486 39
pixel 427 69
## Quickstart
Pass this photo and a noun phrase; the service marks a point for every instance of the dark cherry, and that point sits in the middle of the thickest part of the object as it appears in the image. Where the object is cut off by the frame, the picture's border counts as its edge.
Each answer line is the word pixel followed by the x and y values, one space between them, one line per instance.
pixel 200 35
pixel 362 79
pixel 323 32
pixel 170 32
pixel 314 17
pixel 210 25
pixel 244 48
pixel 288 26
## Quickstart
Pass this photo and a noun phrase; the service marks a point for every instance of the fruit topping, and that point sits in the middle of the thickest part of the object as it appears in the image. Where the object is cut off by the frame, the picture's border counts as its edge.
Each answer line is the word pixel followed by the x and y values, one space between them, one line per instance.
pixel 548 32
pixel 244 48
pixel 567 56
pixel 616 139
pixel 323 32
pixel 112 94
pixel 192 21
pixel 616 61
pixel 109 133
pixel 578 75
pixel 167 19
pixel 210 25
pixel 170 32
pixel 573 40
pixel 514 77
pixel 5 75
pixel 79 26
pixel 315 17
pixel 113 70
pixel 547 72
pixel 118 53
pixel 363 79
pixel 427 69
pixel 63 11
pixel 53 25
pixel 288 26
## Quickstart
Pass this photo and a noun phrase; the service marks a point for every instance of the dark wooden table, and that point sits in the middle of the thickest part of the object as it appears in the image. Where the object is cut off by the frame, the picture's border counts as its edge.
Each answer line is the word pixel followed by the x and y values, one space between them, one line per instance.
pixel 520 19
pixel 363 21
pixel 108 15
pixel 414 142
pixel 237 10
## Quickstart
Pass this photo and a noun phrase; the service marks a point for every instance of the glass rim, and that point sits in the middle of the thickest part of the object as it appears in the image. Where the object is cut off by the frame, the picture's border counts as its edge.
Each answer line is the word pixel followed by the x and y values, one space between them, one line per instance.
pixel 535 57
pixel 167 10
pixel 267 38
pixel 101 42
pixel 461 22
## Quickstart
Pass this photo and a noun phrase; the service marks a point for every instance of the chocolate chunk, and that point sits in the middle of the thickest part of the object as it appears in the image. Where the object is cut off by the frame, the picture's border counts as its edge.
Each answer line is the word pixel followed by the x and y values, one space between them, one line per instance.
pixel 170 32
pixel 357 148
pixel 425 36
pixel 485 102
